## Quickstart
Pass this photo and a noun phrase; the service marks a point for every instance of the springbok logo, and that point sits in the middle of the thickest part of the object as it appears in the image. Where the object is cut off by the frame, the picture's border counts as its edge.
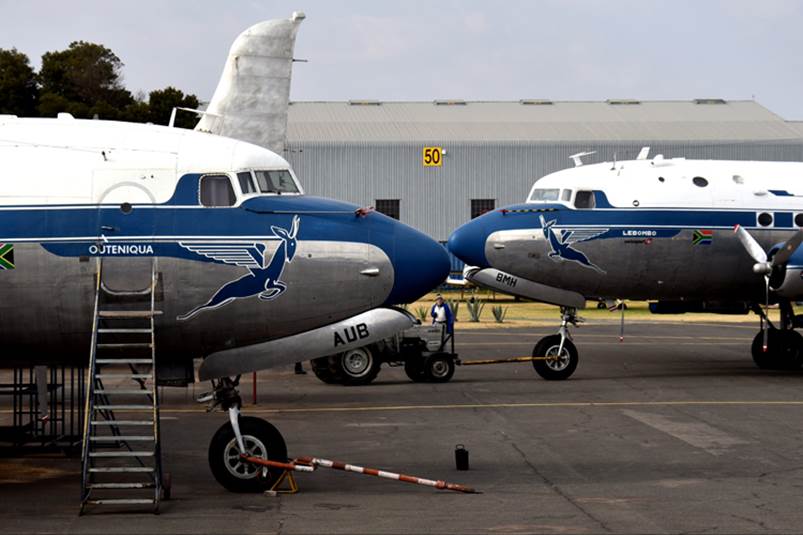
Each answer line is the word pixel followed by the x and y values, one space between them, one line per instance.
pixel 262 280
pixel 562 245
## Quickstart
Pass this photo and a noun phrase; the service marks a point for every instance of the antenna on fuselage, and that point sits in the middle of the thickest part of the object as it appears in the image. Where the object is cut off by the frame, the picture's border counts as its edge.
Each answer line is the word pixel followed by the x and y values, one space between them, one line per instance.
pixel 577 158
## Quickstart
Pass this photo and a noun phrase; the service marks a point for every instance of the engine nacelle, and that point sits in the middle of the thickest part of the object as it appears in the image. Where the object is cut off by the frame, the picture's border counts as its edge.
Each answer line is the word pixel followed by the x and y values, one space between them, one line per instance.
pixel 787 280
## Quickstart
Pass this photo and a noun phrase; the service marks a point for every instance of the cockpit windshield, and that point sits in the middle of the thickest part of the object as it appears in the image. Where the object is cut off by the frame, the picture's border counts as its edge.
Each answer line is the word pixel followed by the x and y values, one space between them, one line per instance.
pixel 280 181
pixel 544 195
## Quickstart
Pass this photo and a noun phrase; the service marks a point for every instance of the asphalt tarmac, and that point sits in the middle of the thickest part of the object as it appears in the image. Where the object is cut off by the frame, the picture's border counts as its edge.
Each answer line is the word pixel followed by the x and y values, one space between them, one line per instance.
pixel 672 431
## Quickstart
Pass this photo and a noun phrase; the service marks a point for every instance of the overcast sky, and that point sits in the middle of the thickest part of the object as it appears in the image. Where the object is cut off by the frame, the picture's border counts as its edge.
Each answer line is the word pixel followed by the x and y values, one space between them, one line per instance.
pixel 473 50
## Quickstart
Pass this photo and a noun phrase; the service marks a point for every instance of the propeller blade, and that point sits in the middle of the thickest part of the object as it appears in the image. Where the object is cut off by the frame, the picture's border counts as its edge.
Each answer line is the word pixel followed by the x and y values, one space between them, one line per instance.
pixel 750 244
pixel 791 245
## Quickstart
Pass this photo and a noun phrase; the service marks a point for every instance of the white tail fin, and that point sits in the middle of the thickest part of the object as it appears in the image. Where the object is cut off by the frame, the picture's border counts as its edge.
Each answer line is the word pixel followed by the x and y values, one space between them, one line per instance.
pixel 251 99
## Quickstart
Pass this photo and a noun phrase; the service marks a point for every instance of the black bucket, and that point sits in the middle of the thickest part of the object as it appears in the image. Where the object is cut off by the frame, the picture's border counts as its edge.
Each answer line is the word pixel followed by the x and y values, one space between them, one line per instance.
pixel 461 457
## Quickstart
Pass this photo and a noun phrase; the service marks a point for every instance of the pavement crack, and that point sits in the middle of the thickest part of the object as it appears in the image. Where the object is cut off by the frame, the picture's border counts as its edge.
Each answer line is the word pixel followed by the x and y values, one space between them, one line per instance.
pixel 554 486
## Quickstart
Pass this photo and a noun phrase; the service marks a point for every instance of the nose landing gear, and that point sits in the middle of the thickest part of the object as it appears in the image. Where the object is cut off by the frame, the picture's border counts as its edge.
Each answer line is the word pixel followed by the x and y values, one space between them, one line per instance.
pixel 242 435
pixel 558 354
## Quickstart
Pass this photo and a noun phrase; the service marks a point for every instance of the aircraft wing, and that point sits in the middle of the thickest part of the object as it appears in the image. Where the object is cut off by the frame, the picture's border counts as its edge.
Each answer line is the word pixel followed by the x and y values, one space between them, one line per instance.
pixel 245 254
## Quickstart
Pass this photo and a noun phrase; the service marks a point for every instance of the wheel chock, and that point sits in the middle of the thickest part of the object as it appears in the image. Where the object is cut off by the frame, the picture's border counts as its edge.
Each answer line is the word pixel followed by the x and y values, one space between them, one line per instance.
pixel 288 478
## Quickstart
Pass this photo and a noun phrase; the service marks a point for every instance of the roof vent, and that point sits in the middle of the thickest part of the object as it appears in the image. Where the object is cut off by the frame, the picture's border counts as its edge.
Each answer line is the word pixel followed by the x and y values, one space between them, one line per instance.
pixel 450 102
pixel 535 102
pixel 622 101
pixel 364 103
pixel 709 101
pixel 65 115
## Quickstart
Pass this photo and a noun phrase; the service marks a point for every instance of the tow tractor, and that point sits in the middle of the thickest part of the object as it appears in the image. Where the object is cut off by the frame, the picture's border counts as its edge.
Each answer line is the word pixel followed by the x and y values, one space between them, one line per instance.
pixel 428 356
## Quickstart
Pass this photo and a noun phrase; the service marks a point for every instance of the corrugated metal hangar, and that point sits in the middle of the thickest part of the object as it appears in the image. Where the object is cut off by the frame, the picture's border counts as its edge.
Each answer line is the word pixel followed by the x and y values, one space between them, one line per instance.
pixel 376 153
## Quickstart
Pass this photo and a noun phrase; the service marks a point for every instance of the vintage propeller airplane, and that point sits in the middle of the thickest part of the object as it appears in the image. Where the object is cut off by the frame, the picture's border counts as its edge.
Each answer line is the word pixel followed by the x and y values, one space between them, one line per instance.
pixel 656 229
pixel 249 271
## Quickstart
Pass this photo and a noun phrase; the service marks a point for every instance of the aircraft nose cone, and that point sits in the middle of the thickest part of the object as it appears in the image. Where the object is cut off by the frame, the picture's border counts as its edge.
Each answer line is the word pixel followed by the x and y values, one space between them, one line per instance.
pixel 467 243
pixel 419 263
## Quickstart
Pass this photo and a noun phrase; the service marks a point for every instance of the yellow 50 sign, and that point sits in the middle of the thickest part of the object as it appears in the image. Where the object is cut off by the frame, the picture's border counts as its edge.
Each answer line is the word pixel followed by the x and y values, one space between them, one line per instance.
pixel 432 156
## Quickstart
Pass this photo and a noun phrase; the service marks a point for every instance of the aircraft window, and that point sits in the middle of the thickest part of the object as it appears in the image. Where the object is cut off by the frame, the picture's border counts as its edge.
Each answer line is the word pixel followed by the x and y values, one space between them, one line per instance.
pixel 566 195
pixel 699 181
pixel 216 190
pixel 661 179
pixel 799 220
pixel 764 219
pixel 276 182
pixel 246 182
pixel 585 199
pixel 545 195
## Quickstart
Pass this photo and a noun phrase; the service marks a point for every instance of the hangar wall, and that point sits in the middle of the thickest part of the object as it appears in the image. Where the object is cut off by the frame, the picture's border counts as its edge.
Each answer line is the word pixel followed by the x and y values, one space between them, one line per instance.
pixel 436 200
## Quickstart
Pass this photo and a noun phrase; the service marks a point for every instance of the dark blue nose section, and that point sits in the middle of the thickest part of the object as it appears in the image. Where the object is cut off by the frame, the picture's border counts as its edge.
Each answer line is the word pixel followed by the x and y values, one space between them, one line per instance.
pixel 420 264
pixel 468 242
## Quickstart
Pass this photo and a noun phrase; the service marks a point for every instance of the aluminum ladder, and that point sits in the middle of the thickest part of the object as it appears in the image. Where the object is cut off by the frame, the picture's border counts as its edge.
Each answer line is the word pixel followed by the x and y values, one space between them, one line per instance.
pixel 121 454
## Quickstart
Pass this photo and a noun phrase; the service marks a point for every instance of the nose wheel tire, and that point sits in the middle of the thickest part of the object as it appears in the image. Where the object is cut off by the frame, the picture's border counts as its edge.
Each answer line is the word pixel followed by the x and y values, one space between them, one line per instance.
pixel 438 368
pixel 558 364
pixel 261 440
pixel 358 366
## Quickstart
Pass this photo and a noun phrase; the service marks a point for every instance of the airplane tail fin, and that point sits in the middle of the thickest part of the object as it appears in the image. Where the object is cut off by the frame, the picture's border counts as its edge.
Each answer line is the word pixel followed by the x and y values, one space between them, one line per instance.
pixel 251 99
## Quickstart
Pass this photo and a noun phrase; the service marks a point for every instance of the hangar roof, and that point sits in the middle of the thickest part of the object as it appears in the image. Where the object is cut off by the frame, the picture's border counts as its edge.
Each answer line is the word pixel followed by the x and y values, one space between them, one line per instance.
pixel 536 120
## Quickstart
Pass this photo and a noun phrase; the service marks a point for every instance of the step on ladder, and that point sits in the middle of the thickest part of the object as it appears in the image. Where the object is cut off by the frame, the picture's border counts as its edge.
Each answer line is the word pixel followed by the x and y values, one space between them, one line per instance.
pixel 121 455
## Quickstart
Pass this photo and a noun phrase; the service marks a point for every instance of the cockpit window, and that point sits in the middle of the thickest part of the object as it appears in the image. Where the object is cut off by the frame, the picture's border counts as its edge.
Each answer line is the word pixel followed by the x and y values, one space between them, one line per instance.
pixel 545 195
pixel 566 195
pixel 216 190
pixel 246 182
pixel 585 199
pixel 276 181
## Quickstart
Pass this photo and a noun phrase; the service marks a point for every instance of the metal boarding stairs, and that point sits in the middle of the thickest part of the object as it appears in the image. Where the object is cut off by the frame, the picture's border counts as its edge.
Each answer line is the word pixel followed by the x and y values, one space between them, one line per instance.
pixel 121 455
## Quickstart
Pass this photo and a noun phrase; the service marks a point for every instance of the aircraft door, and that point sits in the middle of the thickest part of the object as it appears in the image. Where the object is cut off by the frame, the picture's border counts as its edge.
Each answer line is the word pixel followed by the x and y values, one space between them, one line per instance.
pixel 125 228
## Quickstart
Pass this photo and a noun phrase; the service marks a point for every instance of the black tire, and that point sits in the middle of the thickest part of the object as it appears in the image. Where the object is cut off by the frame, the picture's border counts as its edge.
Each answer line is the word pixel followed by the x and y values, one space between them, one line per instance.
pixel 784 350
pixel 438 368
pixel 358 366
pixel 321 367
pixel 261 440
pixel 414 368
pixel 555 369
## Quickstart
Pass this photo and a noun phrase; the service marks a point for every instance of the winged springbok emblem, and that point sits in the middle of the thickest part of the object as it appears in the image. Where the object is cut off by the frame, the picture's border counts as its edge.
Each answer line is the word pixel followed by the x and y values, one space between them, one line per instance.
pixel 263 279
pixel 561 245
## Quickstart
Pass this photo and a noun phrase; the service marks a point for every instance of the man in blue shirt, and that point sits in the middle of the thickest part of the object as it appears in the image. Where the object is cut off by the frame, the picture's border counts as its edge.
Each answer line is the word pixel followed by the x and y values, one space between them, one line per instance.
pixel 441 313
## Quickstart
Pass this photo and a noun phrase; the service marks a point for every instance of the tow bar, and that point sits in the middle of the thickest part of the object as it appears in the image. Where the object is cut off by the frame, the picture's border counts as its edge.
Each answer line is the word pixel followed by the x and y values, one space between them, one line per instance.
pixel 309 464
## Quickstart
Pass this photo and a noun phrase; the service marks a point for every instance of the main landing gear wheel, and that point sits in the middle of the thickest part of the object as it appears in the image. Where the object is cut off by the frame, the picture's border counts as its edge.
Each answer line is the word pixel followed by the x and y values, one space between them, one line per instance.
pixel 358 366
pixel 557 365
pixel 784 350
pixel 261 439
pixel 438 368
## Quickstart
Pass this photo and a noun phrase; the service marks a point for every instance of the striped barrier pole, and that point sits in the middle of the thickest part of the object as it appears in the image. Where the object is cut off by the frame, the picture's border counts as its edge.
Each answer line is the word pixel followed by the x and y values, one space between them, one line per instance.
pixel 290 467
pixel 443 485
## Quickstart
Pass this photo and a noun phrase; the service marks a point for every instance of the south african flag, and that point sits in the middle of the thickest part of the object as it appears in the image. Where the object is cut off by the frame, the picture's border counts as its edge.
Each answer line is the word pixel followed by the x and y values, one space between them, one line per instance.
pixel 702 237
pixel 6 256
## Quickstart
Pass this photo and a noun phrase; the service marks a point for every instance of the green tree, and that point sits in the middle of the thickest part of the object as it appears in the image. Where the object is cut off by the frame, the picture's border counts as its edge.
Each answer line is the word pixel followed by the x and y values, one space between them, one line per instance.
pixel 84 80
pixel 18 89
pixel 162 101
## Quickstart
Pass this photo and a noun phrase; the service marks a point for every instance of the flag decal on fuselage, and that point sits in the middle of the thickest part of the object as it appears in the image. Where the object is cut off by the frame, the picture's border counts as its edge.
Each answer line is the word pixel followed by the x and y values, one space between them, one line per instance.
pixel 6 256
pixel 702 237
